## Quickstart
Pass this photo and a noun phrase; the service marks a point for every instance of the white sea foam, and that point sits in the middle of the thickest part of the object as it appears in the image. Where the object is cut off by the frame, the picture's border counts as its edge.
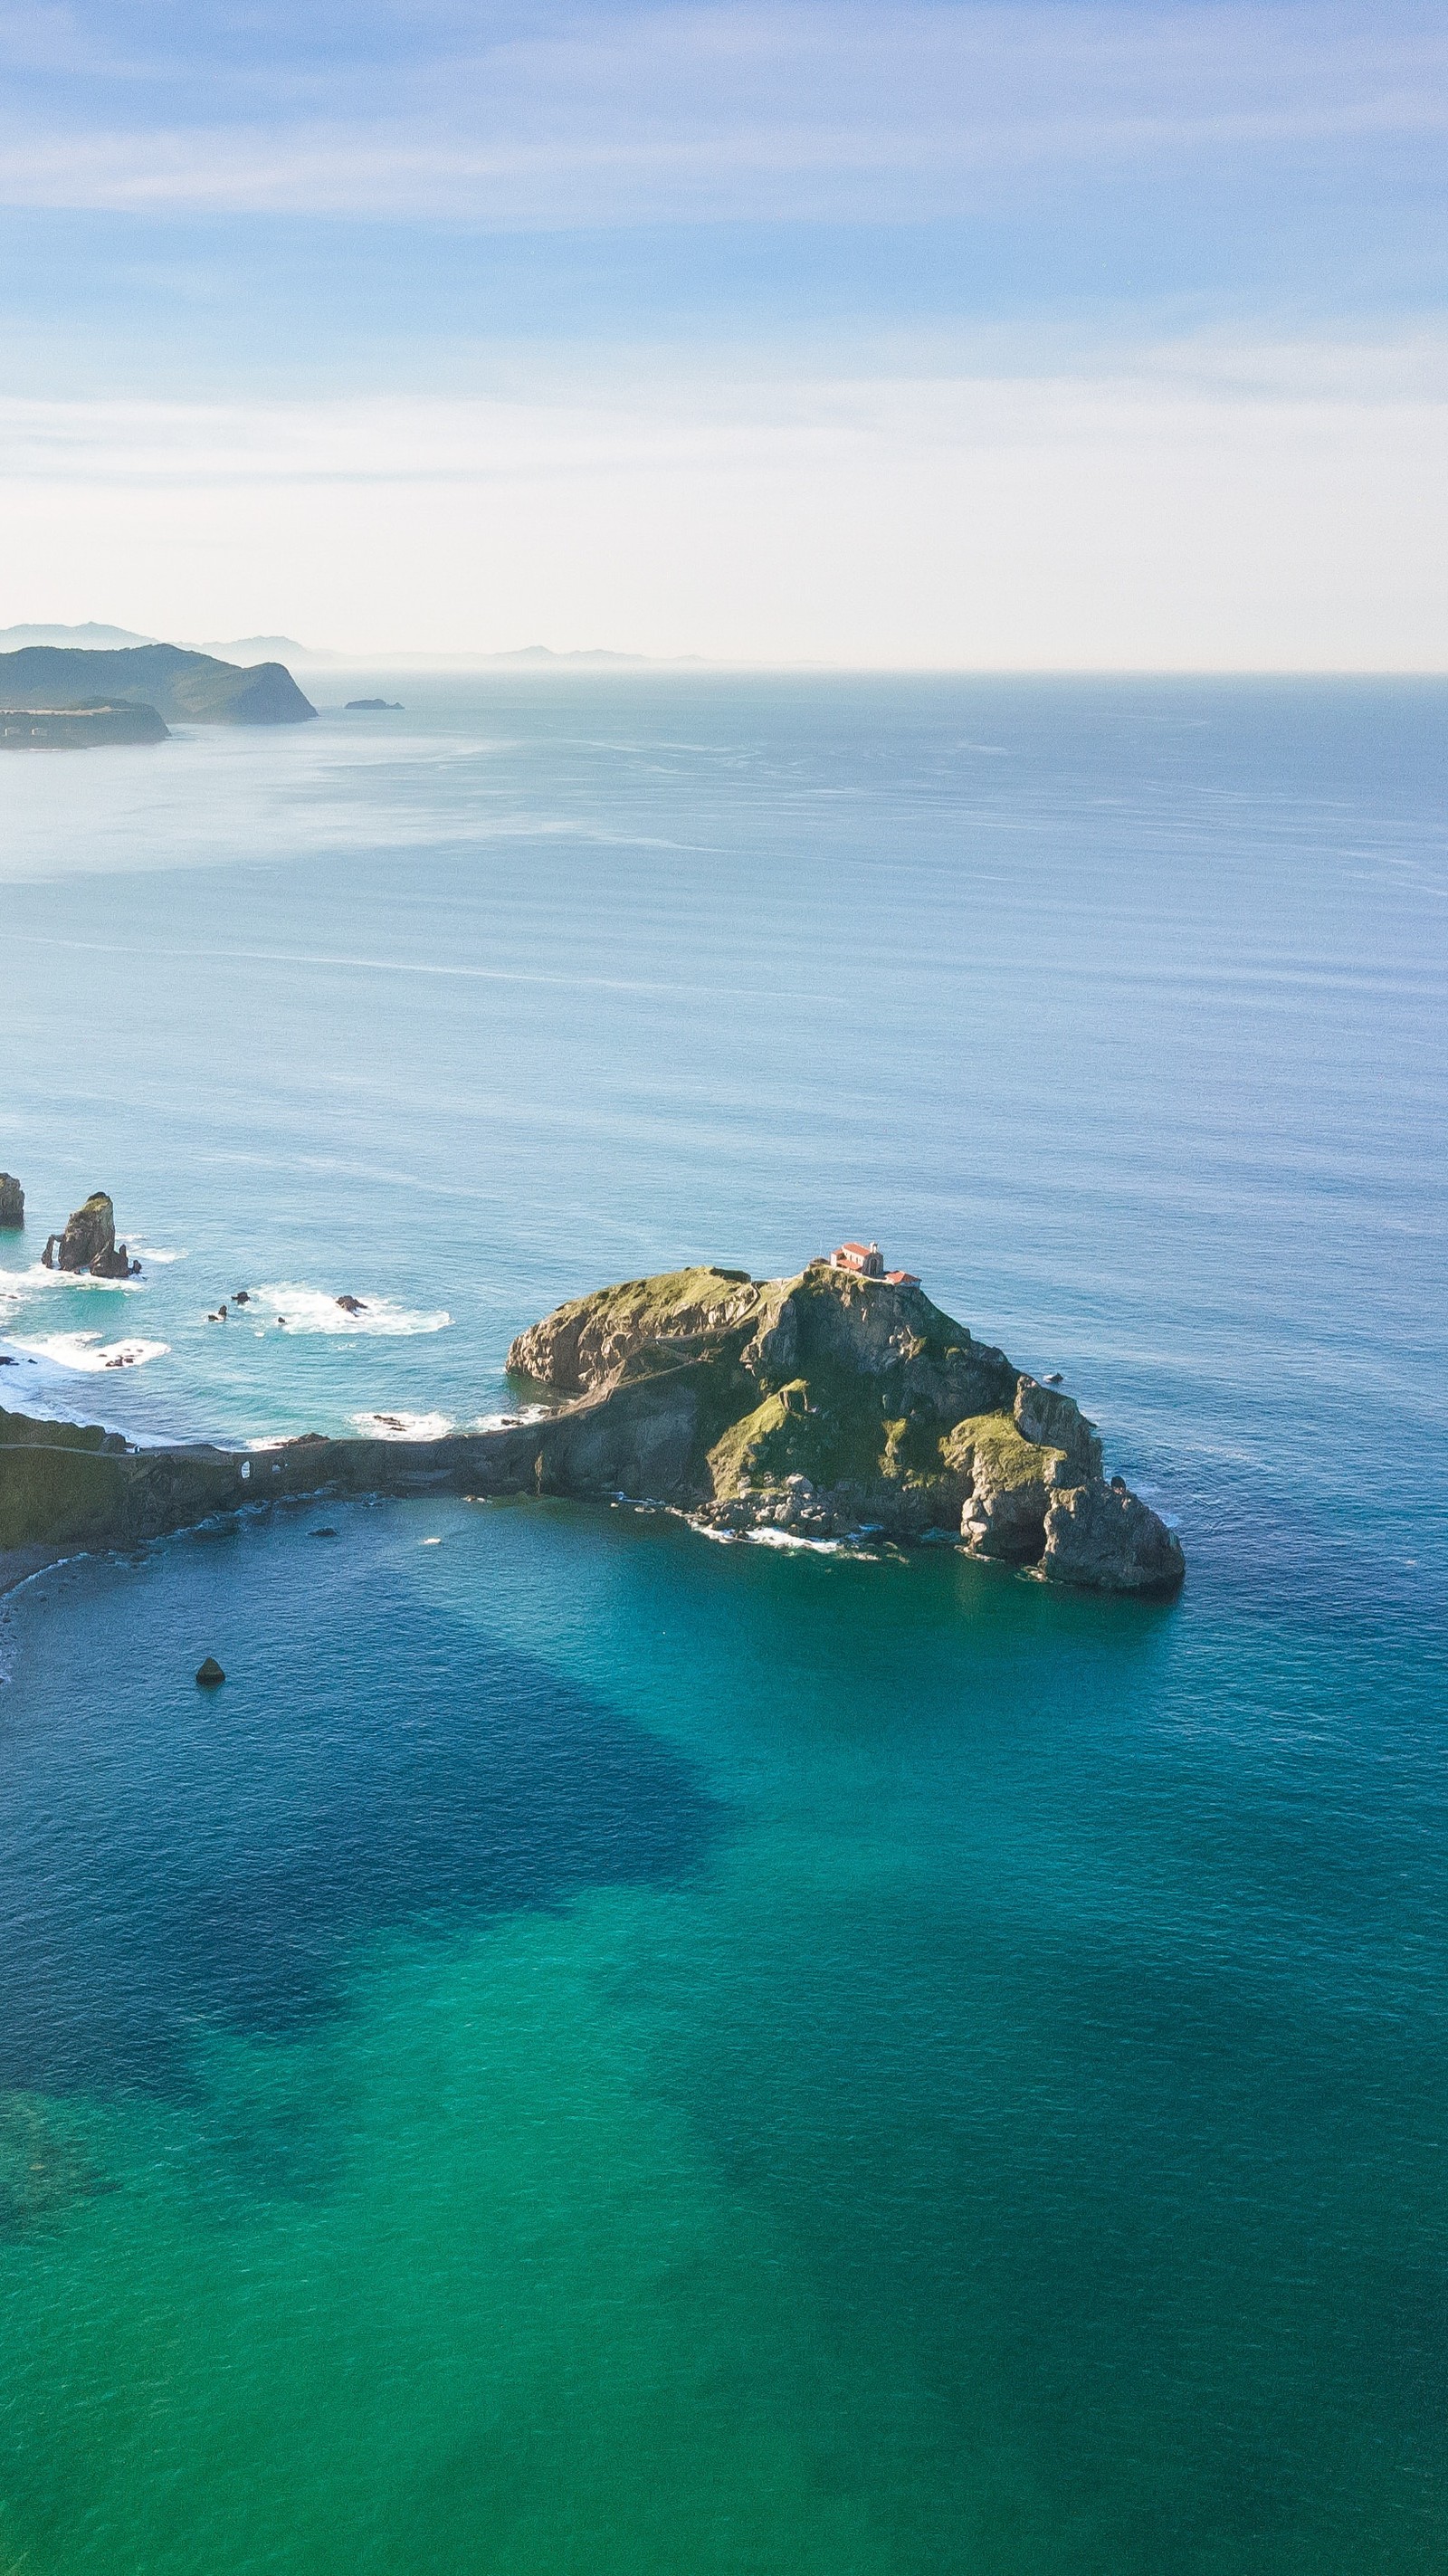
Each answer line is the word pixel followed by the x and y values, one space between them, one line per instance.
pixel 315 1310
pixel 791 1539
pixel 404 1426
pixel 17 1284
pixel 153 1252
pixel 87 1352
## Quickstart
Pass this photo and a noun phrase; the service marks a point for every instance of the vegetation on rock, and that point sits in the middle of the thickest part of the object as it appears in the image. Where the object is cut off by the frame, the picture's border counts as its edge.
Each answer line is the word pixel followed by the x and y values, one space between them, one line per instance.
pixel 824 1404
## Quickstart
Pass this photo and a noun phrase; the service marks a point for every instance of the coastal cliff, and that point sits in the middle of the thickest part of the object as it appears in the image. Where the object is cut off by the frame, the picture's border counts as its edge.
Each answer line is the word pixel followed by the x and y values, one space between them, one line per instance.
pixel 161 682
pixel 820 1406
pixel 826 1404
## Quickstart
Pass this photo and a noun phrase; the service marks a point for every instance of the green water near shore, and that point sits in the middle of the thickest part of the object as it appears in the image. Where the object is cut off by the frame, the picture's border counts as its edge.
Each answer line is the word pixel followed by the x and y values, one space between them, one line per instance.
pixel 947 2136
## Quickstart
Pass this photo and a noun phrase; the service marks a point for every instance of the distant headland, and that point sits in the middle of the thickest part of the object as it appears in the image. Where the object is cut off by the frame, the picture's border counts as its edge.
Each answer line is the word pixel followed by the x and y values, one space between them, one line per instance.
pixel 86 727
pixel 145 687
pixel 838 1404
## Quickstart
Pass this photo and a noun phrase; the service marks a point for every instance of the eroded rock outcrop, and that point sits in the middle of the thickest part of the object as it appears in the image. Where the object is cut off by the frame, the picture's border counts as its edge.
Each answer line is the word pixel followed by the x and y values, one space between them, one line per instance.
pixel 89 1244
pixel 825 1404
pixel 12 1200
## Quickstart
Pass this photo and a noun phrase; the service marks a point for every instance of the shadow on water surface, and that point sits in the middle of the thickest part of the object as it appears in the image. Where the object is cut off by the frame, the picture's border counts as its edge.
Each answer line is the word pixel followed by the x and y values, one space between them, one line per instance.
pixel 174 1860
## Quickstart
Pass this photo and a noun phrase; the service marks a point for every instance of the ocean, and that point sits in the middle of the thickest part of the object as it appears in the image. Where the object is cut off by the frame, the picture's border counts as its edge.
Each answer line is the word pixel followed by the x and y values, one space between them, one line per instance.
pixel 601 2053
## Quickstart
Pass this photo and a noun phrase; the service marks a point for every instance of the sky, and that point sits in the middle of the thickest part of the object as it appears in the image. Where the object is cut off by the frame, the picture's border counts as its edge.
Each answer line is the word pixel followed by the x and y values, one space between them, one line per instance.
pixel 1040 334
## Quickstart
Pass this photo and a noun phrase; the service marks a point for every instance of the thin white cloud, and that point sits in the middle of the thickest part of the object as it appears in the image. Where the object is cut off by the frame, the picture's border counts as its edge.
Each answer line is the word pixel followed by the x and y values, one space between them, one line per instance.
pixel 1213 506
pixel 729 110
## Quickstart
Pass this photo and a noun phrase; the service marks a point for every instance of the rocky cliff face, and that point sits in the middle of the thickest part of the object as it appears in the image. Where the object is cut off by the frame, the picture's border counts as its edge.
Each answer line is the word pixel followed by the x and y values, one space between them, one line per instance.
pixel 89 1243
pixel 824 1404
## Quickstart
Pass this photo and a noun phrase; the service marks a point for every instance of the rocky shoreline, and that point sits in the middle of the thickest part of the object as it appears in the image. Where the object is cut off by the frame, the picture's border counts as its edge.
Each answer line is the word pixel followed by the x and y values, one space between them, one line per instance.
pixel 822 1406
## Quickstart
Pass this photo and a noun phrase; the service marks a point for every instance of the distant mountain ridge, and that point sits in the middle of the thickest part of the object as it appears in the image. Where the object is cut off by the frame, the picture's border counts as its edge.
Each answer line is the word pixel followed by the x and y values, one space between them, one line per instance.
pixel 96 638
pixel 89 638
pixel 250 650
pixel 182 687
pixel 266 648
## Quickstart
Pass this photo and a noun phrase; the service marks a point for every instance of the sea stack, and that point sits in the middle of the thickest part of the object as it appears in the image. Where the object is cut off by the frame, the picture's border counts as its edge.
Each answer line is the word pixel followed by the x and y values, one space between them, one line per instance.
pixel 12 1200
pixel 89 1243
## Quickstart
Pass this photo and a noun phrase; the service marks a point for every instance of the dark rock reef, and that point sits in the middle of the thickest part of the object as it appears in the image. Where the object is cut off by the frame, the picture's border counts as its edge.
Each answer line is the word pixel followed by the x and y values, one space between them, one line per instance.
pixel 822 1405
pixel 12 1201
pixel 89 1243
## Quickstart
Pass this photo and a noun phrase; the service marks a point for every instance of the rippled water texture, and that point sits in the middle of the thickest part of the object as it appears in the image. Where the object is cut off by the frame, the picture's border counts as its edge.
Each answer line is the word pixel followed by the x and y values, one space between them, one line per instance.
pixel 598 2054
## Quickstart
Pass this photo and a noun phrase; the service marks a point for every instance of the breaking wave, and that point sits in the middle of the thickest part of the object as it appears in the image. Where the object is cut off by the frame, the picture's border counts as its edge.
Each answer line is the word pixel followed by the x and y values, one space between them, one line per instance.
pixel 87 1353
pixel 18 1284
pixel 316 1310
pixel 404 1426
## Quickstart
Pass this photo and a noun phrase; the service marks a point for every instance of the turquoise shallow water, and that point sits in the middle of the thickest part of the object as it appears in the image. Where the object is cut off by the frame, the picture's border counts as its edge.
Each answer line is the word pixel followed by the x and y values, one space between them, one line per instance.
pixel 599 2051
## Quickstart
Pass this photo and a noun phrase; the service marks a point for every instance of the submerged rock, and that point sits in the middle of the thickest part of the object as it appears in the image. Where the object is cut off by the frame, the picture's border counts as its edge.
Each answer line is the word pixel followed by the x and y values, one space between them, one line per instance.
pixel 88 1243
pixel 12 1200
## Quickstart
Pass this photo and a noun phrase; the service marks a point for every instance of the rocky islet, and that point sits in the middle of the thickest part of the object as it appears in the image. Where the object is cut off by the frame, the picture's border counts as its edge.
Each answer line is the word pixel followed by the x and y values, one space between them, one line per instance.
pixel 828 1404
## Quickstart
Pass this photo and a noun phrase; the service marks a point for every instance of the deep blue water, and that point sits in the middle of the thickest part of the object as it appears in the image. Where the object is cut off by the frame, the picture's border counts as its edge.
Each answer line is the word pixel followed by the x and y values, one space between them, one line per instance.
pixel 602 2051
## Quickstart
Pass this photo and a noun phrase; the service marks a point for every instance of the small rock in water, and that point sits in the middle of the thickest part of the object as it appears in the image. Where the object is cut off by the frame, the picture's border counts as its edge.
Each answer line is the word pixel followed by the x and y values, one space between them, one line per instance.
pixel 1055 1379
pixel 352 1305
pixel 322 1533
pixel 241 1297
pixel 209 1673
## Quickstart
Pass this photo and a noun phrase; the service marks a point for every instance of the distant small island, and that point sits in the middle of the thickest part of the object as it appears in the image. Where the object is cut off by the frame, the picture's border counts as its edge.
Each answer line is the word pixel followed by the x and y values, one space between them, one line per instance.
pixel 373 707
pixel 840 1404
